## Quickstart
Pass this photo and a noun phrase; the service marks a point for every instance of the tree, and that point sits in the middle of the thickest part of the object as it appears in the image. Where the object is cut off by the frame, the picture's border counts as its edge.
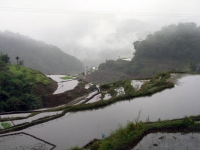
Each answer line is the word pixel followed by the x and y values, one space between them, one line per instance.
pixel 4 58
pixel 17 58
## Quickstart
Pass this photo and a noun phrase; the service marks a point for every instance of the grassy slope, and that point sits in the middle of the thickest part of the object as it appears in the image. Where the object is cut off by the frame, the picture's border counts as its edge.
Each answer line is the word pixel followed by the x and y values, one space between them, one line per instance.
pixel 29 74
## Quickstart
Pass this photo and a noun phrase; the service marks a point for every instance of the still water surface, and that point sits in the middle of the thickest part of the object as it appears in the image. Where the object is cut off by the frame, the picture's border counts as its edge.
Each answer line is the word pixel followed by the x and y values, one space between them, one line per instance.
pixel 169 141
pixel 63 85
pixel 81 127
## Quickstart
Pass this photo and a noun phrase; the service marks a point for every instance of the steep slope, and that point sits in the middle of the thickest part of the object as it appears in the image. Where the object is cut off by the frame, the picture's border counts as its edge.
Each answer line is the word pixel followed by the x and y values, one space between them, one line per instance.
pixel 174 47
pixel 38 55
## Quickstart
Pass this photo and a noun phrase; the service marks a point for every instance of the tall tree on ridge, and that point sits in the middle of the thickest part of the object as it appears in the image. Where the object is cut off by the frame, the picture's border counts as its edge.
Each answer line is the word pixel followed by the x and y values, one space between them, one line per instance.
pixel 17 58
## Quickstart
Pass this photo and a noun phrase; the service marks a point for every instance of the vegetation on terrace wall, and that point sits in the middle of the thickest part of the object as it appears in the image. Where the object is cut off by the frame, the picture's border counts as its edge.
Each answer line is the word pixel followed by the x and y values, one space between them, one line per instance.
pixel 156 84
pixel 126 137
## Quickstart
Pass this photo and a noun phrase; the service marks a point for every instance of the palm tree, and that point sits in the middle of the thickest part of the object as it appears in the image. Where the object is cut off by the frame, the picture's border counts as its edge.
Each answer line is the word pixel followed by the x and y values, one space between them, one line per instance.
pixel 17 58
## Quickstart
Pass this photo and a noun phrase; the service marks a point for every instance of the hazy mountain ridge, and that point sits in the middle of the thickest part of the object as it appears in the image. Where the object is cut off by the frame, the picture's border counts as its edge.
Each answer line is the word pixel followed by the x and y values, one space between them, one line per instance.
pixel 38 55
pixel 174 47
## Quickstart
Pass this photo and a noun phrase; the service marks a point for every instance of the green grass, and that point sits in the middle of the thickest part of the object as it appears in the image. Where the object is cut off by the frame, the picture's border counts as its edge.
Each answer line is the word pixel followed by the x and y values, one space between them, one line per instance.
pixel 5 125
pixel 29 74
pixel 67 77
pixel 75 148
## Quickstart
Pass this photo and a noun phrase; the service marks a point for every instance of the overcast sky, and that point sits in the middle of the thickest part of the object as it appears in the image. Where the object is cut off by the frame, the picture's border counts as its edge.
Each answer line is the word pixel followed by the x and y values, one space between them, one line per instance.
pixel 94 30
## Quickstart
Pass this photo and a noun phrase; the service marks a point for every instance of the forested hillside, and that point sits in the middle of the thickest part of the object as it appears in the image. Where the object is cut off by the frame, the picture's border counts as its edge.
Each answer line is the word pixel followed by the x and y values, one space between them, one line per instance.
pixel 174 47
pixel 22 88
pixel 38 55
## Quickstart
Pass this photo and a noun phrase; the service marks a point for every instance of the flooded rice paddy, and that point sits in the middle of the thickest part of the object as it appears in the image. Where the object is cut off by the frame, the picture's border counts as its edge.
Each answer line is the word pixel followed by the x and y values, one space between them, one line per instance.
pixel 120 91
pixel 137 84
pixel 79 128
pixel 95 99
pixel 63 85
pixel 107 96
pixel 169 141
pixel 13 142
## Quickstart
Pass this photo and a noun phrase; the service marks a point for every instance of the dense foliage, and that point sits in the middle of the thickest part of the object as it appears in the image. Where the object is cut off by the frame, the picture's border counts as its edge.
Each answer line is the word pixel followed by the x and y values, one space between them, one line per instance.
pixel 38 55
pixel 180 41
pixel 113 65
pixel 4 58
pixel 109 72
pixel 17 87
pixel 174 47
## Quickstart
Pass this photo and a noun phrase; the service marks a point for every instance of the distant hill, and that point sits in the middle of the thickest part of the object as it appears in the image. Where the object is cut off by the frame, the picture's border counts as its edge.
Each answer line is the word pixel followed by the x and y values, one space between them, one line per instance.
pixel 174 47
pixel 38 55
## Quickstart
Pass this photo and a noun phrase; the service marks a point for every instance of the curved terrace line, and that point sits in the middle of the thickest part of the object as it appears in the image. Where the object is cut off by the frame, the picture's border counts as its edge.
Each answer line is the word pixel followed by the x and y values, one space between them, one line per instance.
pixel 53 145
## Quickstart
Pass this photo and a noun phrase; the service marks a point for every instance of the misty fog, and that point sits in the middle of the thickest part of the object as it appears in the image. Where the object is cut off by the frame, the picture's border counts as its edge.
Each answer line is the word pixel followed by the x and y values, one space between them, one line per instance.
pixel 94 31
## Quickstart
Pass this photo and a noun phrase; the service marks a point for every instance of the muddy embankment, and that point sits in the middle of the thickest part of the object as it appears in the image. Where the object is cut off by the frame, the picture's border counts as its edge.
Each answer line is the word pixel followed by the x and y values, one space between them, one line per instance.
pixel 46 89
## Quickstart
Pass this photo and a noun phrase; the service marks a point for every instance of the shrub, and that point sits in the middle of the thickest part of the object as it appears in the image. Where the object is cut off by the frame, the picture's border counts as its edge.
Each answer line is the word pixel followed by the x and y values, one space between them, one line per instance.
pixel 29 101
pixel 4 95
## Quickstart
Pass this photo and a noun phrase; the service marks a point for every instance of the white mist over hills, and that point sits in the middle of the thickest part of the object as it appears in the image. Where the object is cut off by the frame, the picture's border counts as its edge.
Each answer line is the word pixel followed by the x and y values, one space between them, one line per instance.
pixel 94 31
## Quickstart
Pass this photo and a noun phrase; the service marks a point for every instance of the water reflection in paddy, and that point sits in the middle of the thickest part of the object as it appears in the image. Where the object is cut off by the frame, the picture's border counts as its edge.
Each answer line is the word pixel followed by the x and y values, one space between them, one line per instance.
pixel 94 99
pixel 63 85
pixel 81 127
pixel 66 86
pixel 107 96
pixel 137 84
